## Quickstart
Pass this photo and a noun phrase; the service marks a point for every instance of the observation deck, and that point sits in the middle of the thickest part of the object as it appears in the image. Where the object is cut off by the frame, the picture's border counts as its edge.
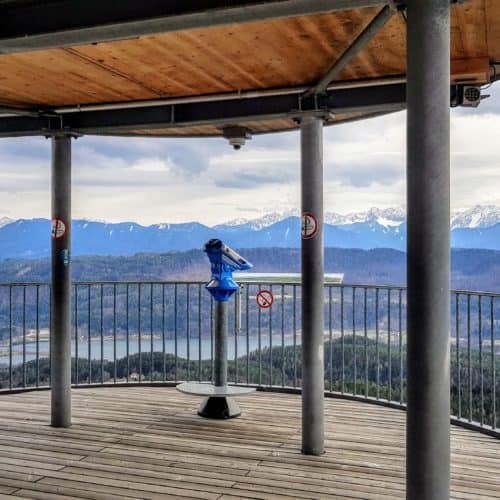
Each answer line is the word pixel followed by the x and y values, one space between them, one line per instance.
pixel 148 442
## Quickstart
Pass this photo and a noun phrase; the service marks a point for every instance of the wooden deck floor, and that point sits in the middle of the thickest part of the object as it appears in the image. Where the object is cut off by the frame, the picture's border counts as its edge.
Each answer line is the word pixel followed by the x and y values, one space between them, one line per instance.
pixel 146 442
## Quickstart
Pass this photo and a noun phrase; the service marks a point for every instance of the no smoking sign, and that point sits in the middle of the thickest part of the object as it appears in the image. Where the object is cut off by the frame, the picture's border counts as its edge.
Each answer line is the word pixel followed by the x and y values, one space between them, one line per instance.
pixel 265 299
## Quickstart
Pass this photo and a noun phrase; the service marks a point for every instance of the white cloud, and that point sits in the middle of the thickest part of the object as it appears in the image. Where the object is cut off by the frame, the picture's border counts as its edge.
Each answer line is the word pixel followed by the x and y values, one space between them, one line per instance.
pixel 170 180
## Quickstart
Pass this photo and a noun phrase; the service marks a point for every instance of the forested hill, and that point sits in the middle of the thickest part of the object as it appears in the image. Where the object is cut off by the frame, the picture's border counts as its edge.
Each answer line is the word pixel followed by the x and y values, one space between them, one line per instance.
pixel 471 269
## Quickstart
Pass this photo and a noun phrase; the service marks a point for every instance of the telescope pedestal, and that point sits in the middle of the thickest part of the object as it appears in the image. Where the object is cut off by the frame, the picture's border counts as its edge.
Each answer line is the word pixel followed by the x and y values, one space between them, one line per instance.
pixel 219 404
pixel 219 408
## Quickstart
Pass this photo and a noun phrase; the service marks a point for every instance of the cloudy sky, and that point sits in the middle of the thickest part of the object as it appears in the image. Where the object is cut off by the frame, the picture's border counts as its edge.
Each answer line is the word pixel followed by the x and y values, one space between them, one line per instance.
pixel 167 180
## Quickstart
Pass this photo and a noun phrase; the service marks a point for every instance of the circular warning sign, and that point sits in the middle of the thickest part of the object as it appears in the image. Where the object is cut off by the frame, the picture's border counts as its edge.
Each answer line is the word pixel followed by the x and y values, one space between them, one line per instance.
pixel 264 299
pixel 58 228
pixel 309 225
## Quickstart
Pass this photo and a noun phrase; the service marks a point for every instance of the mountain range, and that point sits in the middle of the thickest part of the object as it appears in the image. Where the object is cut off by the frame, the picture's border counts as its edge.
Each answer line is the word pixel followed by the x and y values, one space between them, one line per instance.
pixel 478 227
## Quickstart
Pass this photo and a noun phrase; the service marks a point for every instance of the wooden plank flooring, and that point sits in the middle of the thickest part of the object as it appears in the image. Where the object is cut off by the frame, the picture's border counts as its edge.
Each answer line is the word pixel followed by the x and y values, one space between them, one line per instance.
pixel 148 442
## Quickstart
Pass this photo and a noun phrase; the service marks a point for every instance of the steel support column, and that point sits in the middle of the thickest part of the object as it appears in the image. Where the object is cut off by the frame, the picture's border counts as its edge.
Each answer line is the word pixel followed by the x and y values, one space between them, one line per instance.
pixel 60 336
pixel 428 250
pixel 311 133
pixel 220 343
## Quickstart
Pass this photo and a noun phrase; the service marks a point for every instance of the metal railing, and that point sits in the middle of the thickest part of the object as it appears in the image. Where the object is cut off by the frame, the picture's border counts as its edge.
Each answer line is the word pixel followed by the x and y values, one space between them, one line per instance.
pixel 150 332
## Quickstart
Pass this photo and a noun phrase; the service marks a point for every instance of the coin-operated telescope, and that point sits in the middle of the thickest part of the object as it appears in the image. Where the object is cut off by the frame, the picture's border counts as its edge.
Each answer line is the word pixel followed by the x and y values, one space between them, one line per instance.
pixel 219 403
pixel 224 261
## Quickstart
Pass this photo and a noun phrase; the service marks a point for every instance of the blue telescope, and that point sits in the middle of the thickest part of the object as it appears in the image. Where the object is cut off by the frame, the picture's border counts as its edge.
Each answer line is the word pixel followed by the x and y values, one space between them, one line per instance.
pixel 224 261
pixel 219 402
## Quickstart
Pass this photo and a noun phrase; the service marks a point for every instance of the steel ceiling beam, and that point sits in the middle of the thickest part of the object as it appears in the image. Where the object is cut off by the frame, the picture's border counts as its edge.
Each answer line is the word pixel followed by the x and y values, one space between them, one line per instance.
pixel 64 23
pixel 378 22
pixel 8 110
pixel 382 98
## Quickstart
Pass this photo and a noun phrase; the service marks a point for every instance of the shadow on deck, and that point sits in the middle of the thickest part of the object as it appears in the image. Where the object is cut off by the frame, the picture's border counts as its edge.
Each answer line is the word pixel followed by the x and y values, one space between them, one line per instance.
pixel 147 442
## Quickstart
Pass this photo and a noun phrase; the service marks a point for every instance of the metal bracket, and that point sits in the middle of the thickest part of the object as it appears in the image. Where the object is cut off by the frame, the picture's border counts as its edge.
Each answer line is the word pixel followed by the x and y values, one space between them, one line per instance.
pixel 325 114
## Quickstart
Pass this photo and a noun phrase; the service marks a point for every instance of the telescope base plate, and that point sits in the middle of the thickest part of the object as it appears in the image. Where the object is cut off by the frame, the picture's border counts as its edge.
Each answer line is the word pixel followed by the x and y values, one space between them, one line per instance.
pixel 210 390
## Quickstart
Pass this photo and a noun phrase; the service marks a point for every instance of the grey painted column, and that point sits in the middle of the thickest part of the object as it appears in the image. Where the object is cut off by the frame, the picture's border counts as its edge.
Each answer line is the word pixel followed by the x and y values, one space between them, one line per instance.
pixel 220 344
pixel 60 333
pixel 311 134
pixel 428 246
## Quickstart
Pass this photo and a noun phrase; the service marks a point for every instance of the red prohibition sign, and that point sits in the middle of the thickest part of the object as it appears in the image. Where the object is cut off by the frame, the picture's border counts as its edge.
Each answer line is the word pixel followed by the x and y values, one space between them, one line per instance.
pixel 58 228
pixel 310 225
pixel 265 299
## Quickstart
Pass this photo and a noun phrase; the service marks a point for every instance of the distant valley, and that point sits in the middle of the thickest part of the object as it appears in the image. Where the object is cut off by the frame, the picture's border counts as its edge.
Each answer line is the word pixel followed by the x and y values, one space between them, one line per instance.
pixel 471 269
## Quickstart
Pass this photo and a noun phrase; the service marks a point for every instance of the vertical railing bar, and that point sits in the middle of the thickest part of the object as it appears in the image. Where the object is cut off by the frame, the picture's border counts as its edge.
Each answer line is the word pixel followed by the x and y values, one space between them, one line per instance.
pixel 114 334
pixel 188 340
pixel 493 367
pixel 282 335
pixel 199 332
pixel 295 335
pixel 37 329
pixel 247 328
pixel 271 341
pixel 481 372
pixel 365 326
pixel 175 332
pixel 102 333
pixel 259 331
pixel 400 329
pixel 389 354
pixel 355 372
pixel 457 345
pixel 151 332
pixel 139 327
pixel 377 353
pixel 24 336
pixel 89 340
pixel 330 336
pixel 127 327
pixel 342 338
pixel 469 371
pixel 163 349
pixel 10 337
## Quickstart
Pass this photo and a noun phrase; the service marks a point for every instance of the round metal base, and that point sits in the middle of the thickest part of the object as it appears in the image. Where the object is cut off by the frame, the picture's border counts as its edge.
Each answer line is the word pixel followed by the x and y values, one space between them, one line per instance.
pixel 219 408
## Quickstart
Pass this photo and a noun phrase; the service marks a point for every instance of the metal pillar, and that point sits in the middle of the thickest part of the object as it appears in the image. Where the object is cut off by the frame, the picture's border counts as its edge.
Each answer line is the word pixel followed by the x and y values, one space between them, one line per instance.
pixel 221 406
pixel 220 344
pixel 311 133
pixel 60 336
pixel 428 250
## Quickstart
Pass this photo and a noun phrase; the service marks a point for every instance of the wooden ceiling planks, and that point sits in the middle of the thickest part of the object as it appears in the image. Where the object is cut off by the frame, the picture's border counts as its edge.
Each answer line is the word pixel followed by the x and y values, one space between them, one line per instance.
pixel 384 55
pixel 237 57
pixel 59 77
pixel 468 30
pixel 260 55
pixel 493 29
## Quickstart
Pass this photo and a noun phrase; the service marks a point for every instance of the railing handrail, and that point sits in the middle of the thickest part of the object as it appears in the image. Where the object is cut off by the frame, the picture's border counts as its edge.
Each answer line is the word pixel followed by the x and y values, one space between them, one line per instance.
pixel 483 293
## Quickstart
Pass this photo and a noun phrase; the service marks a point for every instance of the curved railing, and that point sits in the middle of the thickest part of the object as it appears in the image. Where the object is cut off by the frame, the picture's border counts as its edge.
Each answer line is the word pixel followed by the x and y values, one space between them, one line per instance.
pixel 162 332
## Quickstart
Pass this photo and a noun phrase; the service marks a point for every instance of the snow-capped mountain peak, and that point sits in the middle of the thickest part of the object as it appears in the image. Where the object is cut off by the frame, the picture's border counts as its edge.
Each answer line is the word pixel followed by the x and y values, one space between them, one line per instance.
pixel 4 221
pixel 264 221
pixel 387 217
pixel 479 216
pixel 476 217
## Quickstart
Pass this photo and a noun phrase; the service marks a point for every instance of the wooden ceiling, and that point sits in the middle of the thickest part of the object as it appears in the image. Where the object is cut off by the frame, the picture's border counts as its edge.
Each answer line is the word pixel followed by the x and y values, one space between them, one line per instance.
pixel 253 56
